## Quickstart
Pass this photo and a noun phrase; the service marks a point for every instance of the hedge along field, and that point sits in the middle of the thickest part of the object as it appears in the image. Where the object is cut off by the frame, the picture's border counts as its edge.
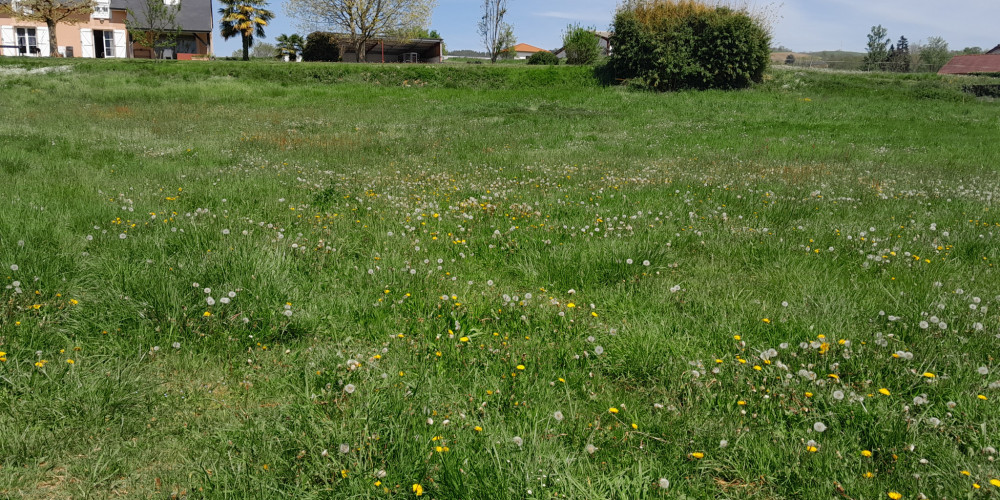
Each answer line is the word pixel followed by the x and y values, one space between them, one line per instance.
pixel 234 280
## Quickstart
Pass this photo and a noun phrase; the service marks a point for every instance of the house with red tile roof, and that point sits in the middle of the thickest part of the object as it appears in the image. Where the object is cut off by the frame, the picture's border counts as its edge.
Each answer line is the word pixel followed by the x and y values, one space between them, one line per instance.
pixel 970 65
pixel 524 51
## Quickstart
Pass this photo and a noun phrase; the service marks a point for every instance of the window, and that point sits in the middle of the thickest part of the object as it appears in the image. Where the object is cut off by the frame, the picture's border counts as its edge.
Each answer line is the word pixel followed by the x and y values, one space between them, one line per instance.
pixel 109 43
pixel 27 42
pixel 23 10
pixel 102 10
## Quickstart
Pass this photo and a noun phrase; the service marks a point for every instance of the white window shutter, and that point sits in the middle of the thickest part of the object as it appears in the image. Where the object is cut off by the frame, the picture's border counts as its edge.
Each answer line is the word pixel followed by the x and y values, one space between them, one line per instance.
pixel 7 40
pixel 86 42
pixel 42 37
pixel 121 36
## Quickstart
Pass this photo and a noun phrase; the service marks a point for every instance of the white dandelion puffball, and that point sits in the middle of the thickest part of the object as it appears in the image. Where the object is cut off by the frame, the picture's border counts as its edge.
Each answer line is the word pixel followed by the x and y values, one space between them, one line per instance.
pixel 349 388
pixel 345 448
pixel 518 441
pixel 983 370
pixel 590 449
pixel 558 415
pixel 13 267
pixel 664 483
pixel 819 427
pixel 723 443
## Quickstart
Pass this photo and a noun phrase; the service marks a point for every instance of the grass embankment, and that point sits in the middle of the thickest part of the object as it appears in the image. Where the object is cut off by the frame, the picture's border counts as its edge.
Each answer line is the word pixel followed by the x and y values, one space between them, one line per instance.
pixel 258 280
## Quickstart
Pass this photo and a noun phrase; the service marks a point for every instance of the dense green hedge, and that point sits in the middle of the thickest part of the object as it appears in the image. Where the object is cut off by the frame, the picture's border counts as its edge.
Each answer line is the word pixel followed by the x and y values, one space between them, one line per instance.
pixel 471 76
pixel 665 45
pixel 321 46
pixel 543 58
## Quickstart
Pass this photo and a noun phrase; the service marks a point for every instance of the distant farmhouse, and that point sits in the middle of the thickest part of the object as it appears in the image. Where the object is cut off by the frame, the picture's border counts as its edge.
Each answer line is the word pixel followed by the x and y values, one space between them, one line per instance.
pixel 103 34
pixel 524 51
pixel 988 63
pixel 603 39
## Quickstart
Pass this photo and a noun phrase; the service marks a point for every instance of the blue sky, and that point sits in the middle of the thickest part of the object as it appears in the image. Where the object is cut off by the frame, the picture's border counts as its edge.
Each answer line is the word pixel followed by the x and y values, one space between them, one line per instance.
pixel 803 25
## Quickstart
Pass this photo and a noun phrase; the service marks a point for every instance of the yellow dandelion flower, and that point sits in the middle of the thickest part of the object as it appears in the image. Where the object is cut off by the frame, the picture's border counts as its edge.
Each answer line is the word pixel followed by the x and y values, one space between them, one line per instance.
pixel 929 375
pixel 812 449
pixel 594 314
pixel 984 398
pixel 966 473
pixel 995 482
pixel 885 392
pixel 70 361
pixel 976 486
pixel 477 429
pixel 698 455
pixel 741 403
pixel 417 489
pixel 895 496
pixel 463 339
pixel 612 410
pixel 736 337
pixel 866 453
pixel 343 473
pixel 765 320
pixel 520 367
pixel 571 305
pixel 207 314
pixel 74 301
pixel 868 475
pixel 757 367
pixel 809 394
pixel 635 426
pixel 834 376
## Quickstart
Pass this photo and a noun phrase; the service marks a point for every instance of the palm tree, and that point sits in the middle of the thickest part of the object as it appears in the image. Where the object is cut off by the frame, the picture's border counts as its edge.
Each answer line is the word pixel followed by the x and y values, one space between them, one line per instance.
pixel 245 18
pixel 290 45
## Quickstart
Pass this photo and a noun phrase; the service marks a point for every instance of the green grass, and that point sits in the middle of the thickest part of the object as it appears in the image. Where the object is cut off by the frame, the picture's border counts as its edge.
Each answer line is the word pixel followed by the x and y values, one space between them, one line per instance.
pixel 381 229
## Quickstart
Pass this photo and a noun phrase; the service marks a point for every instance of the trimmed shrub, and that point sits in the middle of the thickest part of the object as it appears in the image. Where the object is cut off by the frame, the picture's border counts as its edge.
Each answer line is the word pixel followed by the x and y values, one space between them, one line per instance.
pixel 321 46
pixel 544 58
pixel 671 45
pixel 581 45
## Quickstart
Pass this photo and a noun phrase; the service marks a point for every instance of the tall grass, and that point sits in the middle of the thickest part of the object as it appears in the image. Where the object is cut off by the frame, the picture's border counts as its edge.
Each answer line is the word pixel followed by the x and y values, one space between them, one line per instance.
pixel 494 290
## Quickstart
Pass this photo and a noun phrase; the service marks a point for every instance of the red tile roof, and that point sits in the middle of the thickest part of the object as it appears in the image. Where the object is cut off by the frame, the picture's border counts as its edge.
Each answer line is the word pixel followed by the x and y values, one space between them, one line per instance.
pixel 523 47
pixel 964 65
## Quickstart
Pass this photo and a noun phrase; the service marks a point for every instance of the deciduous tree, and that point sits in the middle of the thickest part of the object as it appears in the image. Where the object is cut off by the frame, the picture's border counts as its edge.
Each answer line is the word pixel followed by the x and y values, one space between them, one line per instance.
pixel 50 12
pixel 933 54
pixel 497 35
pixel 245 19
pixel 363 21
pixel 580 44
pixel 878 49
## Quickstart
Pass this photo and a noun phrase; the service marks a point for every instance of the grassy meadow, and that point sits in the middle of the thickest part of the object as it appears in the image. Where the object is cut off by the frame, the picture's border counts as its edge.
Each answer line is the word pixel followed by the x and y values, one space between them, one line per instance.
pixel 264 280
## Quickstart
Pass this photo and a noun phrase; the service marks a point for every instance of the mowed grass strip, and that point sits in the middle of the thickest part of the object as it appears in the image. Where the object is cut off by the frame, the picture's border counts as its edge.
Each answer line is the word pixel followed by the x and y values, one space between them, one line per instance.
pixel 259 280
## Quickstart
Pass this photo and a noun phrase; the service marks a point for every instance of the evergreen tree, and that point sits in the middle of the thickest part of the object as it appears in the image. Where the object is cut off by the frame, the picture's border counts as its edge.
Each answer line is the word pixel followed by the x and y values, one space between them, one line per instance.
pixel 899 56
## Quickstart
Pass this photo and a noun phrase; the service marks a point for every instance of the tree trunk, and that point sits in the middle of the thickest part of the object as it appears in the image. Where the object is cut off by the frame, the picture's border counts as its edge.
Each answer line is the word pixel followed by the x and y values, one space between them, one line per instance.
pixel 53 44
pixel 246 48
pixel 362 51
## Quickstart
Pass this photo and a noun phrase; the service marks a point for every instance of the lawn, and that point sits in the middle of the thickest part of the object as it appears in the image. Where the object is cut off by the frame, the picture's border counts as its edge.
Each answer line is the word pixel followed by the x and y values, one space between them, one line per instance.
pixel 264 280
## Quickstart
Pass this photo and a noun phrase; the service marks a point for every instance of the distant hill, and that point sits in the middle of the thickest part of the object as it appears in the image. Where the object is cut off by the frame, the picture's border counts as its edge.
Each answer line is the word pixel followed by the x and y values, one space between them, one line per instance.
pixel 840 59
pixel 798 59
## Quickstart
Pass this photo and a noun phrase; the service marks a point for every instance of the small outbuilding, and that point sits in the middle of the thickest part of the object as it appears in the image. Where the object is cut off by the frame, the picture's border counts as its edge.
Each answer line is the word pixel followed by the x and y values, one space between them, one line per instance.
pixel 994 50
pixel 971 65
pixel 398 50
